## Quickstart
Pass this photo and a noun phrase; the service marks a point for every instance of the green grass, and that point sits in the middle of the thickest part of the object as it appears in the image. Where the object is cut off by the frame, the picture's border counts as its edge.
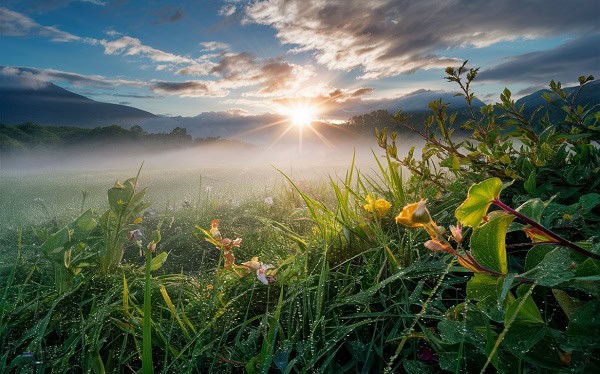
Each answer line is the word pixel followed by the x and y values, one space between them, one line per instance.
pixel 353 293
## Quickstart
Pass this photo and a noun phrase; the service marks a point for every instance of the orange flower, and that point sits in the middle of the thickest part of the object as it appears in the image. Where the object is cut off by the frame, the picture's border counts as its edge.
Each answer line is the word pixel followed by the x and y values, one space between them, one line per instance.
pixel 214 229
pixel 437 246
pixel 377 206
pixel 417 215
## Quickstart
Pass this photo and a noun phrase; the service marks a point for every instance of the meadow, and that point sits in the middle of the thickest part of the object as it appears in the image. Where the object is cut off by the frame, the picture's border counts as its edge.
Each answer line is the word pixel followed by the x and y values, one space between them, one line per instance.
pixel 480 255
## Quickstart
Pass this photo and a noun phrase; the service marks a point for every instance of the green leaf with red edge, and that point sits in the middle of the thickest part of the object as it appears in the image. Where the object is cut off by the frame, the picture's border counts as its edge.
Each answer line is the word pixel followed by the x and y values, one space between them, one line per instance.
pixel 479 199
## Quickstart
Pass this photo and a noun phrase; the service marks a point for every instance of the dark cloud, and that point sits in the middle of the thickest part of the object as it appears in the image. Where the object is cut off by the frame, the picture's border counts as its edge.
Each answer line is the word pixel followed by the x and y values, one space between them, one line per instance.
pixel 170 14
pixel 528 90
pixel 387 38
pixel 565 62
pixel 188 89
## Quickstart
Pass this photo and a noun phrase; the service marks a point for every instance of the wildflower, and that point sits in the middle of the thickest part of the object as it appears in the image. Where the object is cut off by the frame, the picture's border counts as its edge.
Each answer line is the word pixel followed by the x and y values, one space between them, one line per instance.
pixel 437 246
pixel 379 206
pixel 152 247
pixel 268 200
pixel 227 248
pixel 214 229
pixel 417 215
pixel 456 232
pixel 265 274
pixel 208 189
pixel 252 264
pixel 209 287
pixel 567 217
pixel 135 235
pixel 138 220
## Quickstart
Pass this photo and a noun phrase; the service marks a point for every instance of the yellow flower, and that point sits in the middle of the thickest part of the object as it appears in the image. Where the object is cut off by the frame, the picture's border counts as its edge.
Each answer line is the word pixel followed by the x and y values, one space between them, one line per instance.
pixel 379 206
pixel 417 215
pixel 209 287
pixel 138 221
pixel 253 264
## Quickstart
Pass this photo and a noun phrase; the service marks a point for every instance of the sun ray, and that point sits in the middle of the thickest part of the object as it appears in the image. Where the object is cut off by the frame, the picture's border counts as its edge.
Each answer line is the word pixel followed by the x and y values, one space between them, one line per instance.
pixel 278 138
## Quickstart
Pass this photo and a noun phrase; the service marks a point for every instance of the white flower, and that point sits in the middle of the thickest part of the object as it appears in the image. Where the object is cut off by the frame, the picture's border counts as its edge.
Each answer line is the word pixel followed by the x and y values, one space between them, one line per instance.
pixel 268 200
pixel 208 189
pixel 264 275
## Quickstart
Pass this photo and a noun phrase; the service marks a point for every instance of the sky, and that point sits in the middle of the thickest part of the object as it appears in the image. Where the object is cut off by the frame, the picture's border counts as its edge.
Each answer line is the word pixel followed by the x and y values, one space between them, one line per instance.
pixel 252 57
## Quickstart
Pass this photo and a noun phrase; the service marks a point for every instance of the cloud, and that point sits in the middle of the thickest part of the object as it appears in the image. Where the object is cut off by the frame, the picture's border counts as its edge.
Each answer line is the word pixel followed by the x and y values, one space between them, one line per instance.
pixel 271 77
pixel 170 14
pixel 17 24
pixel 26 75
pixel 390 37
pixel 129 46
pixel 227 10
pixel 188 89
pixel 48 5
pixel 566 62
pixel 13 78
pixel 214 46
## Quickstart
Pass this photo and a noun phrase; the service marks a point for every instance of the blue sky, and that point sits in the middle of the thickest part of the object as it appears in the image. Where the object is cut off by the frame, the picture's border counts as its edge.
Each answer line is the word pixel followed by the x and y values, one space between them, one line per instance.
pixel 259 54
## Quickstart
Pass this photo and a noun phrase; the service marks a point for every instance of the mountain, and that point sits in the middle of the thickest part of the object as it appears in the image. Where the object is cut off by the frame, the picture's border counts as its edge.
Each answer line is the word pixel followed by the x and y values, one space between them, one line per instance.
pixel 51 105
pixel 419 100
pixel 589 94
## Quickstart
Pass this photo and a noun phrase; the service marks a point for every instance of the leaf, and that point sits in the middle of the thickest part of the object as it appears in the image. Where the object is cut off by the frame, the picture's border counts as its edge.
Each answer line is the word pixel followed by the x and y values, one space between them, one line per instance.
pixel 529 184
pixel 527 328
pixel 488 243
pixel 83 226
pixel 553 269
pixel 584 328
pixel 479 199
pixel 158 261
pixel 486 289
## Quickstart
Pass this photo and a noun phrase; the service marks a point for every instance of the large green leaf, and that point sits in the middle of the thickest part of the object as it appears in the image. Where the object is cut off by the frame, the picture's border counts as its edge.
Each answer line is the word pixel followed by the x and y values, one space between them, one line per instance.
pixel 479 199
pixel 488 242
pixel 83 226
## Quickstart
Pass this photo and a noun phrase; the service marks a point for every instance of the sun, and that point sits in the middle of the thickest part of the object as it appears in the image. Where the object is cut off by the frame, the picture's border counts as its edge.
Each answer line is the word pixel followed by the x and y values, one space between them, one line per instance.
pixel 302 115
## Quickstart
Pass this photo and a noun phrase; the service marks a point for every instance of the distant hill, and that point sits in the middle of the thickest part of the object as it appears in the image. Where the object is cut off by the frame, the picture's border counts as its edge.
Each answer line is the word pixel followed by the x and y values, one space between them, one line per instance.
pixel 54 106
pixel 29 136
pixel 590 95
pixel 419 100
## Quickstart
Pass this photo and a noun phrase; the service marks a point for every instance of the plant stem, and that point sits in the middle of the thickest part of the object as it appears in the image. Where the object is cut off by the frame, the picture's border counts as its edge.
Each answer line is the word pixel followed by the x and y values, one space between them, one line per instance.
pixel 147 367
pixel 557 238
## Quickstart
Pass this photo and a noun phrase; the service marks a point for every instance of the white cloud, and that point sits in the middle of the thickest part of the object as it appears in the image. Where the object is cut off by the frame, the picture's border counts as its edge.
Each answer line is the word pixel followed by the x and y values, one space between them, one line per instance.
pixel 17 24
pixel 214 46
pixel 227 10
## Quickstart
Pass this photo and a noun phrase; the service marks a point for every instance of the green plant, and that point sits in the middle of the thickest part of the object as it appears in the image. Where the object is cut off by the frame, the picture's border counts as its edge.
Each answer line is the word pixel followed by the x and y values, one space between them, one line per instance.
pixel 126 205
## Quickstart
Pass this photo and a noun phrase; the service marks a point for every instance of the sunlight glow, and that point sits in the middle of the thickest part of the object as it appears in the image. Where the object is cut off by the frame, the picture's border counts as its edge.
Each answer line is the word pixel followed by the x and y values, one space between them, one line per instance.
pixel 302 115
